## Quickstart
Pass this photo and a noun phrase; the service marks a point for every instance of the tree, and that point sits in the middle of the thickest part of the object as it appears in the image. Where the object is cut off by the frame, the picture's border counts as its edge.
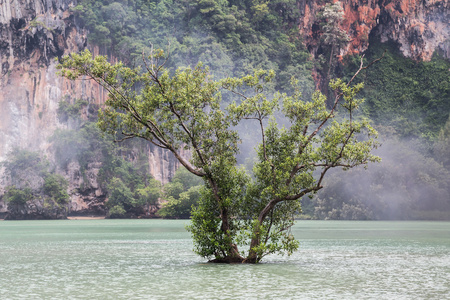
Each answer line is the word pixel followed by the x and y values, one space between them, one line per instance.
pixel 184 110
pixel 182 194
pixel 55 187
pixel 120 198
pixel 150 194
pixel 126 197
pixel 181 205
pixel 15 196
pixel 333 36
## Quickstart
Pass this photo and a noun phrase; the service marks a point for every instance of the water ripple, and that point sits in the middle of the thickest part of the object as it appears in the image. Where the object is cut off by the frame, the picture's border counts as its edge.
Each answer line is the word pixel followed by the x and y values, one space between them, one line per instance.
pixel 156 264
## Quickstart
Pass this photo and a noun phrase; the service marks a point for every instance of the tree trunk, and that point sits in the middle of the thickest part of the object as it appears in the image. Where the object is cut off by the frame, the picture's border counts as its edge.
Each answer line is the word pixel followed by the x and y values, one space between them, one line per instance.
pixel 256 237
pixel 233 256
pixel 252 257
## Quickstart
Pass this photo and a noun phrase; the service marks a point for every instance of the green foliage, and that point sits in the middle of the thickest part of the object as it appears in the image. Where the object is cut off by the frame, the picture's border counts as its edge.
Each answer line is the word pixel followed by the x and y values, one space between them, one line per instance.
pixel 127 183
pixel 185 110
pixel 151 193
pixel 117 211
pixel 128 196
pixel 55 186
pixel 289 157
pixel 33 180
pixel 128 186
pixel 66 110
pixel 332 16
pixel 182 194
pixel 333 37
pixel 409 96
pixel 85 145
pixel 181 206
pixel 15 196
pixel 209 241
pixel 185 178
pixel 21 162
pixel 119 193
pixel 229 36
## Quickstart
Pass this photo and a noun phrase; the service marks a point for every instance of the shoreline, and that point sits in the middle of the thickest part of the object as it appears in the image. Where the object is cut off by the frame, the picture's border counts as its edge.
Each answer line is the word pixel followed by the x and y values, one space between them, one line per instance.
pixel 86 218
pixel 70 218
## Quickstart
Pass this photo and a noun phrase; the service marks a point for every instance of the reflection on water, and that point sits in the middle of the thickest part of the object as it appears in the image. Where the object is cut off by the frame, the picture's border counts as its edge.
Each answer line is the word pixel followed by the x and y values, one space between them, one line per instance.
pixel 153 259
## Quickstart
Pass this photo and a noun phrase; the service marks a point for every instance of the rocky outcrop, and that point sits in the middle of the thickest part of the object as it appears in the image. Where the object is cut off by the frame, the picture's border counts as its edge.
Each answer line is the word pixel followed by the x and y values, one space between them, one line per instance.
pixel 419 26
pixel 163 164
pixel 36 210
pixel 32 34
pixel 87 196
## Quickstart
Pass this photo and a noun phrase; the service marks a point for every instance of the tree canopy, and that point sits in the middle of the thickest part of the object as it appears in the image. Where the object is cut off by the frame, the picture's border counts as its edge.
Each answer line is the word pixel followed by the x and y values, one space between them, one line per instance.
pixel 185 109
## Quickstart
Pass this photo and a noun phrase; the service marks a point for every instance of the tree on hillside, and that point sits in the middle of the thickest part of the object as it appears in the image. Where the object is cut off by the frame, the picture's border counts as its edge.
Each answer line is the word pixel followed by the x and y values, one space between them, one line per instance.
pixel 184 110
pixel 333 36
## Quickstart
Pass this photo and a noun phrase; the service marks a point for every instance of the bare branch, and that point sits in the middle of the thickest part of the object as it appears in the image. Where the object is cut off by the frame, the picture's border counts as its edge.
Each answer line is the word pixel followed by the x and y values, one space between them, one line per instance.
pixel 363 68
pixel 234 92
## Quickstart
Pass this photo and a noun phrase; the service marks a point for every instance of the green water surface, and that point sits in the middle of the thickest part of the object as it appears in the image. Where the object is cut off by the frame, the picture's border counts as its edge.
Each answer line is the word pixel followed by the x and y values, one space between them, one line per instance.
pixel 153 259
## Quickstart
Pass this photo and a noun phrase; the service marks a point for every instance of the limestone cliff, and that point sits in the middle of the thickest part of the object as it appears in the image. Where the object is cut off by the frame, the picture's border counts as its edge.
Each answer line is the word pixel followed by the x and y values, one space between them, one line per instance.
pixel 32 34
pixel 419 26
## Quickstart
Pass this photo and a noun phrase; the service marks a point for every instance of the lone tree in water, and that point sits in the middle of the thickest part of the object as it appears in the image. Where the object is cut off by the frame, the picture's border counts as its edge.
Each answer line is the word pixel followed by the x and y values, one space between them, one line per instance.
pixel 185 110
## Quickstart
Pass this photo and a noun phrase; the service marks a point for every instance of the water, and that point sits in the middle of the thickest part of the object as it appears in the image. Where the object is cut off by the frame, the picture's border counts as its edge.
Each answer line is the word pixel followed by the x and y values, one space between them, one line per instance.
pixel 153 259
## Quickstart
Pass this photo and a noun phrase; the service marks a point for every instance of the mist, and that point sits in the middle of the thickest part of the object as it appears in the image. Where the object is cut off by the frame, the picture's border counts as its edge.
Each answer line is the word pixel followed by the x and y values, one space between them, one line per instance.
pixel 404 185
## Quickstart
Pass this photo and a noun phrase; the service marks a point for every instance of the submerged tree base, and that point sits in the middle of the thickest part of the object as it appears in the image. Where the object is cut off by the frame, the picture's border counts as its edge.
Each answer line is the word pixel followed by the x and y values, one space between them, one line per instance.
pixel 229 260
pixel 234 260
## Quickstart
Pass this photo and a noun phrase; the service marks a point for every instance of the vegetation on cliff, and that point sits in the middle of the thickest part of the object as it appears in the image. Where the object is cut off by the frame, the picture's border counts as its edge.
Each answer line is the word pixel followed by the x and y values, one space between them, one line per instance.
pixel 231 37
pixel 35 190
pixel 131 191
pixel 408 103
pixel 405 99
pixel 182 195
pixel 409 96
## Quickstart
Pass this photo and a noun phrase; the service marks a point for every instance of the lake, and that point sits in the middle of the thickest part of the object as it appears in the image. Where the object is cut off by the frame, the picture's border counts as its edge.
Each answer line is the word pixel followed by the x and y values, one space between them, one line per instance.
pixel 153 259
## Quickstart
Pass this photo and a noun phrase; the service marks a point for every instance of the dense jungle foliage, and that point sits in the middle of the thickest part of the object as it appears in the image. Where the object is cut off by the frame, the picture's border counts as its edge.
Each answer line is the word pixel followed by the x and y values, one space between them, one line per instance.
pixel 231 37
pixel 410 97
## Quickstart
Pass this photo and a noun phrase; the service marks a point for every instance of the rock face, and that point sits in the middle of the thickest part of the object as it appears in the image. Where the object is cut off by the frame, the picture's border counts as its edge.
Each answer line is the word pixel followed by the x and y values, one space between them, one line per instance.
pixel 35 210
pixel 32 34
pixel 419 26
pixel 163 164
